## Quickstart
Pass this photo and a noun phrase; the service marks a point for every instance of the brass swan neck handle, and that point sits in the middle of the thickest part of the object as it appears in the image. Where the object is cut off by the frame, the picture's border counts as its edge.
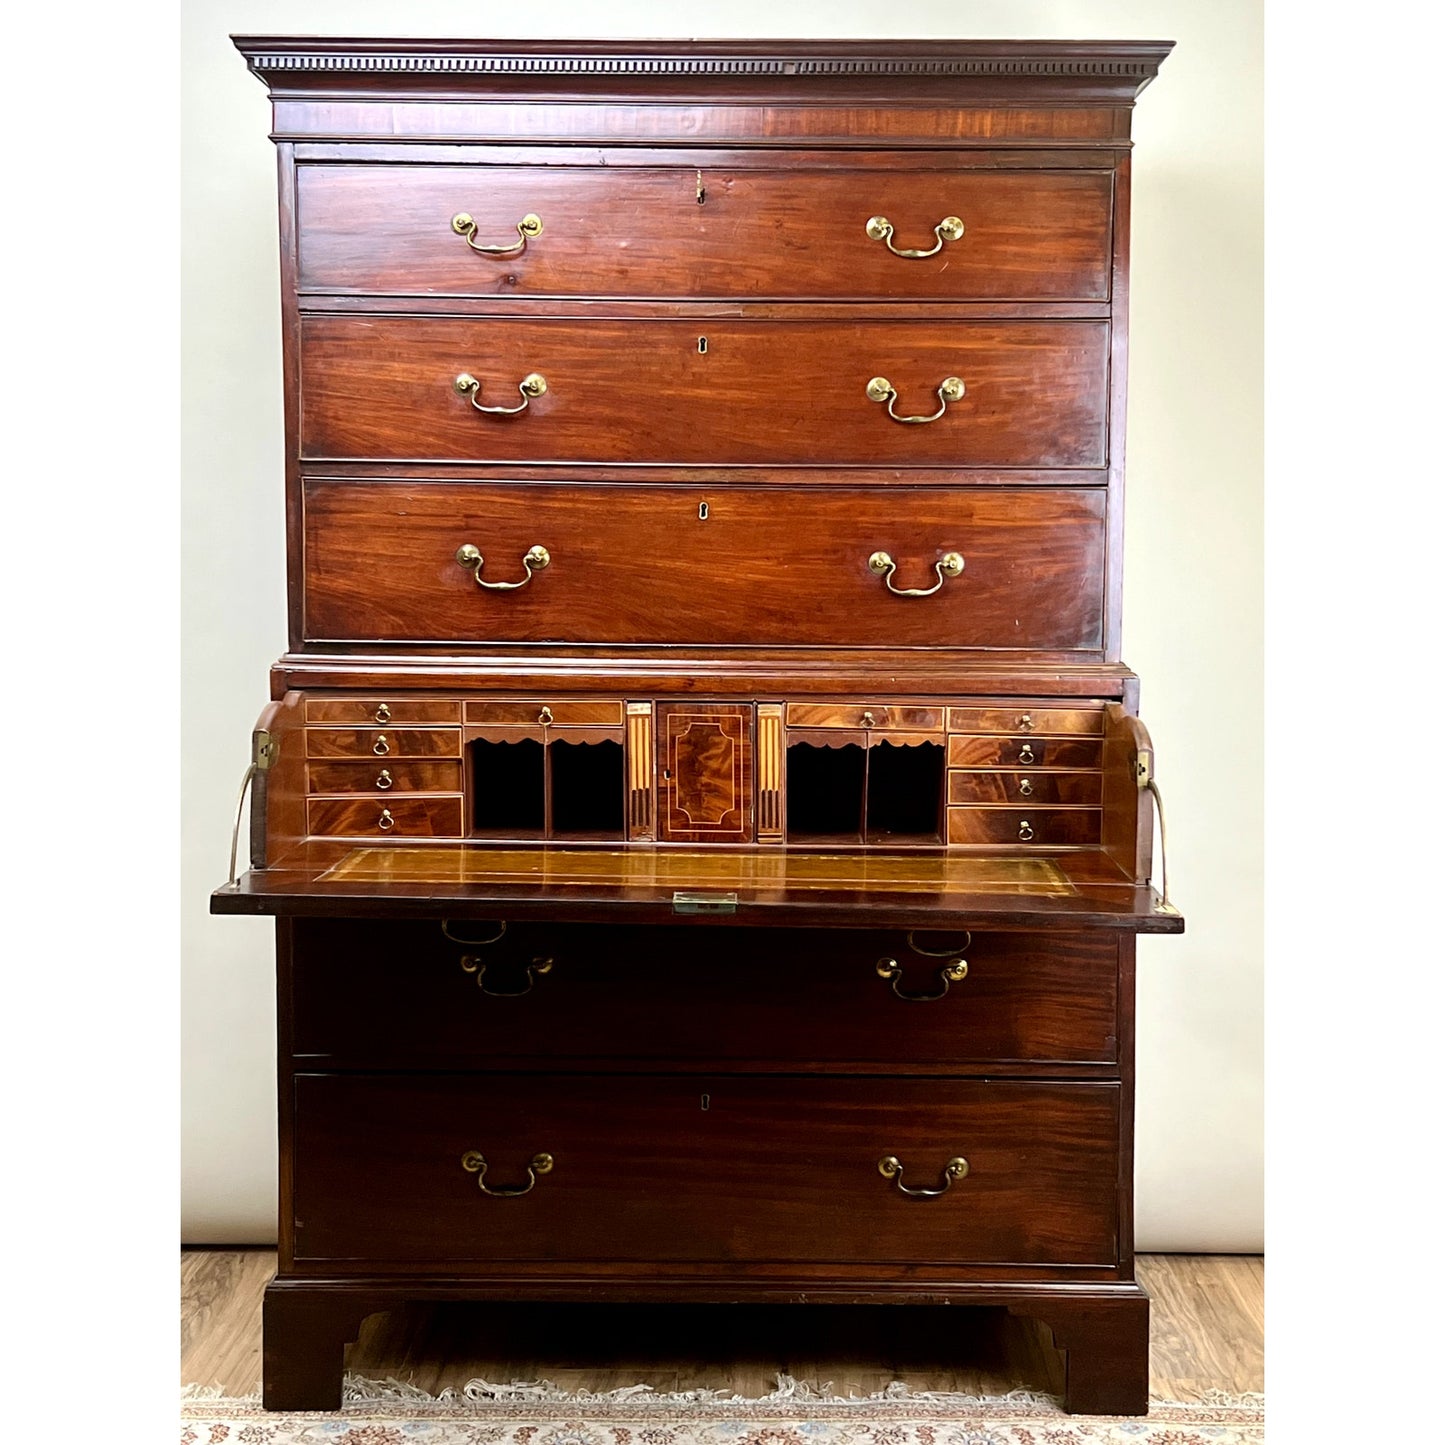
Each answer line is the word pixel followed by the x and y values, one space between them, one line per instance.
pixel 475 1163
pixel 533 384
pixel 949 565
pixel 533 560
pixel 529 227
pixel 880 389
pixel 880 228
pixel 890 1167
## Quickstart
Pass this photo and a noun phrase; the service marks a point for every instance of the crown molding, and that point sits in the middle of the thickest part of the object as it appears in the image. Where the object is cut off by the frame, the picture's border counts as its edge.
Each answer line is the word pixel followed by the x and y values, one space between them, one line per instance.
pixel 291 63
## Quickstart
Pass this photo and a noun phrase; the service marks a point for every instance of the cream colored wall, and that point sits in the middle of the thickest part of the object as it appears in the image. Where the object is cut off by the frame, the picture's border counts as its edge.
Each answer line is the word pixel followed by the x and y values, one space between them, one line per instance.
pixel 1192 595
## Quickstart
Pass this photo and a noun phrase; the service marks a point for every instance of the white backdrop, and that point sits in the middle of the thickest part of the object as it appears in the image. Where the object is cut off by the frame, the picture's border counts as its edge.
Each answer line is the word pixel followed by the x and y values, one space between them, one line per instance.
pixel 1192 582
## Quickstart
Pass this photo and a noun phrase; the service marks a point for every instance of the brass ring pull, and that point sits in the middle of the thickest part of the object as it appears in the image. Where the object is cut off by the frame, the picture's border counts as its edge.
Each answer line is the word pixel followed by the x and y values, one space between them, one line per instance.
pixel 936 952
pixel 533 384
pixel 545 717
pixel 478 966
pixel 881 389
pixel 890 1168
pixel 386 822
pixel 949 565
pixel 1026 788
pixel 382 714
pixel 447 933
pixel 866 720
pixel 1026 723
pixel 953 972
pixel 534 560
pixel 475 1163
pixel 381 747
pixel 1026 753
pixel 1026 832
pixel 529 227
pixel 383 779
pixel 880 228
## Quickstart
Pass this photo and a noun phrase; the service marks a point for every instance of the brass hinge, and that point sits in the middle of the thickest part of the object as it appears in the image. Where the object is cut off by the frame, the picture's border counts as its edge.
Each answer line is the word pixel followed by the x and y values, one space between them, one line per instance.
pixel 684 902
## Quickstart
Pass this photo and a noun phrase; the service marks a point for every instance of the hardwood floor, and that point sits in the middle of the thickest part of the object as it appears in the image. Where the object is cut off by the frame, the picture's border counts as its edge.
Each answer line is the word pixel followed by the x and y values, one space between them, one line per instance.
pixel 1208 1333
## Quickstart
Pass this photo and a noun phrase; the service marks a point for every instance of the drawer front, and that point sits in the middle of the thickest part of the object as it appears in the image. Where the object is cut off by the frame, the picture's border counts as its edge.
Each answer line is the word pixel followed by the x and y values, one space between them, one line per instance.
pixel 702 1168
pixel 1027 751
pixel 386 742
pixel 382 710
pixel 776 391
pixel 636 564
pixel 1042 827
pixel 384 817
pixel 397 994
pixel 384 775
pixel 880 717
pixel 1024 719
pixel 631 231
pixel 997 785
pixel 545 713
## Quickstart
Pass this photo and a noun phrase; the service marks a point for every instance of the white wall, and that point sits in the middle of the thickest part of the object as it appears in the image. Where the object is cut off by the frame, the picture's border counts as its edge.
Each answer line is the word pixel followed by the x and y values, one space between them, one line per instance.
pixel 1192 596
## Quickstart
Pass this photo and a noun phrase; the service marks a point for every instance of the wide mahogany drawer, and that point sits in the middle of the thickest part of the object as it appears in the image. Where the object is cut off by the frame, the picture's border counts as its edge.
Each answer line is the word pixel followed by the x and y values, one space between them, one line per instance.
pixel 408 994
pixel 998 785
pixel 1026 751
pixel 391 1169
pixel 1023 719
pixel 379 710
pixel 410 817
pixel 383 742
pixel 880 717
pixel 716 231
pixel 1035 393
pixel 1043 827
pixel 544 713
pixel 638 564
pixel 384 775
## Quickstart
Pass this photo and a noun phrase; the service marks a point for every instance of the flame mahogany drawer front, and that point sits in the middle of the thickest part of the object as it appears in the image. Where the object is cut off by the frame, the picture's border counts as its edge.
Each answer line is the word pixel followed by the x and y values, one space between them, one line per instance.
pixel 380 711
pixel 633 564
pixel 1043 827
pixel 407 995
pixel 383 742
pixel 1025 718
pixel 1027 751
pixel 1030 788
pixel 382 775
pixel 701 1168
pixel 753 233
pixel 782 391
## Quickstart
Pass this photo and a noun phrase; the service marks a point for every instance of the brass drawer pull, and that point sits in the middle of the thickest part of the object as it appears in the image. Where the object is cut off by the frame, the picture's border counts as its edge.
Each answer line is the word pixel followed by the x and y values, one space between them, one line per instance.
pixel 478 966
pixel 447 933
pixel 386 822
pixel 535 559
pixel 953 972
pixel 881 389
pixel 1026 788
pixel 528 228
pixel 1026 832
pixel 382 714
pixel 949 565
pixel 890 1168
pixel 1026 723
pixel 533 384
pixel 1026 753
pixel 545 717
pixel 880 228
pixel 475 1163
pixel 918 948
pixel 383 779
pixel 381 747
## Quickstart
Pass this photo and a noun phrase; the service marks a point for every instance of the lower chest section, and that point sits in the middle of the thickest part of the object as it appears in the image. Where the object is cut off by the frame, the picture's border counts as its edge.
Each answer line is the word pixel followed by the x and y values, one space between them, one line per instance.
pixel 465 1097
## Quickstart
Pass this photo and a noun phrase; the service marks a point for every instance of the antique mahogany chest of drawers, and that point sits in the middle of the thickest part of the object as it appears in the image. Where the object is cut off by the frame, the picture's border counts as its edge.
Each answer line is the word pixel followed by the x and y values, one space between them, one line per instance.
pixel 705 811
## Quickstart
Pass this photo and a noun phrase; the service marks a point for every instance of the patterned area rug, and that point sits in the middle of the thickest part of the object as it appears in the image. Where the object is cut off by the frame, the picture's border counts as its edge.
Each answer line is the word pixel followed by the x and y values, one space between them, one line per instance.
pixel 377 1412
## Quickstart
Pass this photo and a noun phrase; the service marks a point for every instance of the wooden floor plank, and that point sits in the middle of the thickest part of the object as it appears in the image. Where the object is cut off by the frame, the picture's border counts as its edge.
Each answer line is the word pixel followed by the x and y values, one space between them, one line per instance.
pixel 1208 1333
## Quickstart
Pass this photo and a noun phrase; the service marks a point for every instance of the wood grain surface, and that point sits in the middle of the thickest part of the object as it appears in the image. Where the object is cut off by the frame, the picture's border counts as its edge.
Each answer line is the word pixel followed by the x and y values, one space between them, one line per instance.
pixel 706 230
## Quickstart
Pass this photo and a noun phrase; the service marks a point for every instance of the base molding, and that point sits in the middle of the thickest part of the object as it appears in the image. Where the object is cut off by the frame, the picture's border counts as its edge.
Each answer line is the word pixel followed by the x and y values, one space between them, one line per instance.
pixel 1103 1329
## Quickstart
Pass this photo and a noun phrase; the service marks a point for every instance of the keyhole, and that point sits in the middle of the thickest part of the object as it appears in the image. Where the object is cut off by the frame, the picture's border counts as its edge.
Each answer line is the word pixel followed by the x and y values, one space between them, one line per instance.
pixel 702 346
pixel 706 1102
pixel 701 189
pixel 702 511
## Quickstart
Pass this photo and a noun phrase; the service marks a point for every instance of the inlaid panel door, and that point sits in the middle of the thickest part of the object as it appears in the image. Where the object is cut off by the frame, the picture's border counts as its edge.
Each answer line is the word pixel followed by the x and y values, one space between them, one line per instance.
pixel 705 772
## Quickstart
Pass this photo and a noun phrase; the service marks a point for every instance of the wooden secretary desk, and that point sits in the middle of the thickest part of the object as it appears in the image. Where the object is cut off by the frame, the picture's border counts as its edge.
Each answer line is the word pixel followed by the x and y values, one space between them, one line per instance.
pixel 705 812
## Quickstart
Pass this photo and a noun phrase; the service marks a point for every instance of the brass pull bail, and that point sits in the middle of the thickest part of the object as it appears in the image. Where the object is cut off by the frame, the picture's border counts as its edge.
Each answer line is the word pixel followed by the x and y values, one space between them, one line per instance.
pixel 880 228
pixel 880 389
pixel 475 1163
pixel 949 565
pixel 534 560
pixel 890 1167
pixel 528 228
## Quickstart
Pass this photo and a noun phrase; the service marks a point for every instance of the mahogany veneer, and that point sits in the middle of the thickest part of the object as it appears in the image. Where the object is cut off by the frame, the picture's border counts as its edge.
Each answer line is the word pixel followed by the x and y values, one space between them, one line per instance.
pixel 704 807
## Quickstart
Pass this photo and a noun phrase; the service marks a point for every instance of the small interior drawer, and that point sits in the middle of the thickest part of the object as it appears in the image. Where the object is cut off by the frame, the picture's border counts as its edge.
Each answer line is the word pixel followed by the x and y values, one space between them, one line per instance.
pixel 543 713
pixel 385 775
pixel 1001 785
pixel 1041 827
pixel 871 716
pixel 386 742
pixel 384 817
pixel 1022 719
pixel 365 711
